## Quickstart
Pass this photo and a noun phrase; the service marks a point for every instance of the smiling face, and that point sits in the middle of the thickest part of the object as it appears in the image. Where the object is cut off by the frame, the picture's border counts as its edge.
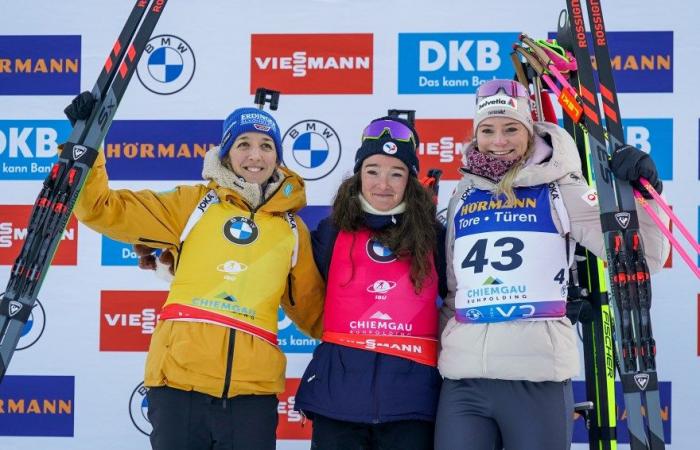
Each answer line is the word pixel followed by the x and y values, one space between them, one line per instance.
pixel 253 157
pixel 383 180
pixel 502 138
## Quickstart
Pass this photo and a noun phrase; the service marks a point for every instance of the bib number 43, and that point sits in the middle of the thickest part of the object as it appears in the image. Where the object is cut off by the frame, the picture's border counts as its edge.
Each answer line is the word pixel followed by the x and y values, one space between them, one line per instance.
pixel 509 258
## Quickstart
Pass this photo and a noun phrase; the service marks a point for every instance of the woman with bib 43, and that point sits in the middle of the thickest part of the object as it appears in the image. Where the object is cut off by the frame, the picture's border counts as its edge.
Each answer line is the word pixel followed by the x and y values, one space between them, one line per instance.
pixel 508 351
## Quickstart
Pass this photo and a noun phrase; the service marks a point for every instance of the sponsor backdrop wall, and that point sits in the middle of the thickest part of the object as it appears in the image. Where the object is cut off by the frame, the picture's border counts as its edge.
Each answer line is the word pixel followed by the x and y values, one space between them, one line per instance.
pixel 75 382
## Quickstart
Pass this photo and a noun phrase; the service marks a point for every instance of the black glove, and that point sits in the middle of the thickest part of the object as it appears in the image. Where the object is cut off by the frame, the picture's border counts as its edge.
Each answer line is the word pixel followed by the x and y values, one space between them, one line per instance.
pixel 80 108
pixel 628 163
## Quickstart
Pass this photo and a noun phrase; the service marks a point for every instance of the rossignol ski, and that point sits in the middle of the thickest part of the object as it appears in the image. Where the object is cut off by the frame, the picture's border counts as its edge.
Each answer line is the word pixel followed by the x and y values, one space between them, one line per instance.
pixel 55 202
pixel 629 280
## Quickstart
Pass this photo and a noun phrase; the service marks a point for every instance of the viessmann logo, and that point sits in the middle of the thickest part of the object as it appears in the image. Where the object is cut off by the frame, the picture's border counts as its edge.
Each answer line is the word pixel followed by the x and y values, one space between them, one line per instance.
pixel 442 143
pixel 128 319
pixel 291 423
pixel 13 232
pixel 312 63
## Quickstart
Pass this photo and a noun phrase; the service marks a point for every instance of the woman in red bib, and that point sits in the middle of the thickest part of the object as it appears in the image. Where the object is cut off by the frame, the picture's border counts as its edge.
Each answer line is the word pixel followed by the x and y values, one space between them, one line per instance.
pixel 373 381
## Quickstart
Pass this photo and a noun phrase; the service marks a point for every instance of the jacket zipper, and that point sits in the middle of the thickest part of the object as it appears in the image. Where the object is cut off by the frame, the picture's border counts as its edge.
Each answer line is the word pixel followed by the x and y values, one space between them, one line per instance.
pixel 232 331
pixel 229 366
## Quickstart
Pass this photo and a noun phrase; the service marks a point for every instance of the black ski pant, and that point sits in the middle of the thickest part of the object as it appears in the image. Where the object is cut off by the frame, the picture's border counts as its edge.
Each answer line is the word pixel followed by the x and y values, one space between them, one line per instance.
pixel 482 414
pixel 188 420
pixel 331 434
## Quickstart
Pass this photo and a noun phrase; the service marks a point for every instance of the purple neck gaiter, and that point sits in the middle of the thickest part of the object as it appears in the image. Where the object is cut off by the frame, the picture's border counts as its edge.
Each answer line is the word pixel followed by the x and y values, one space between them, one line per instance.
pixel 487 166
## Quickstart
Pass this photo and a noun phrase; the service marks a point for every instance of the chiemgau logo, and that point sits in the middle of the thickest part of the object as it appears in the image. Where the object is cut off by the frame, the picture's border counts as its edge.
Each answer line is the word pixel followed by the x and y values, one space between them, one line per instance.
pixel 379 253
pixel 241 230
pixel 311 148
pixel 168 65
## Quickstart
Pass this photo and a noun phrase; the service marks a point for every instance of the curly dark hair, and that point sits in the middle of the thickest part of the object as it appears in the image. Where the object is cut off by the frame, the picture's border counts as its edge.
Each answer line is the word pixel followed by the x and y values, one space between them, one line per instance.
pixel 413 237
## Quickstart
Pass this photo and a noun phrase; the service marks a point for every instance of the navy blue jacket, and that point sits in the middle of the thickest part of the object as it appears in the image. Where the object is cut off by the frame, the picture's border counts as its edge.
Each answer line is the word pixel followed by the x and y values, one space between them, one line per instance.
pixel 356 385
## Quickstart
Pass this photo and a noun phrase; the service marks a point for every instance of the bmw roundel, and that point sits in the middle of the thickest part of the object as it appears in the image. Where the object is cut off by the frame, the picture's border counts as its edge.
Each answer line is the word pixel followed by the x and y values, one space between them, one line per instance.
pixel 377 252
pixel 240 230
pixel 311 148
pixel 167 65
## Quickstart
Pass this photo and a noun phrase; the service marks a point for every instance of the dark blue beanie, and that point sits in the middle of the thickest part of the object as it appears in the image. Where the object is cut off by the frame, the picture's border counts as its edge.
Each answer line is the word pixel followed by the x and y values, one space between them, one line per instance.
pixel 244 120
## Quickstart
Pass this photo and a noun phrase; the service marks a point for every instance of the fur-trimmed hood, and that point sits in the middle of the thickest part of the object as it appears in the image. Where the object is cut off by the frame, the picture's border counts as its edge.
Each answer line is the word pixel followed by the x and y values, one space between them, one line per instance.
pixel 284 191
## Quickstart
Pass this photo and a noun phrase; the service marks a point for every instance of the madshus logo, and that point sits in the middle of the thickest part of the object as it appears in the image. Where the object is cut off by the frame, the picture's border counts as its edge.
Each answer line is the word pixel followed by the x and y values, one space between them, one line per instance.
pixel 168 65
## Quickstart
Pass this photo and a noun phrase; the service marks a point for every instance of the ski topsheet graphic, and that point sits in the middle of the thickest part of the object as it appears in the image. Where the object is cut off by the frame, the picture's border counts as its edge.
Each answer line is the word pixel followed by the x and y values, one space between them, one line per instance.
pixel 60 190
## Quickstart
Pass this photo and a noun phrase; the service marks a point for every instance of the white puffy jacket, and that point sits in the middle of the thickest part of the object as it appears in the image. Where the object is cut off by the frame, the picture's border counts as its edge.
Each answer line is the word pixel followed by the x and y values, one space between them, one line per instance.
pixel 532 350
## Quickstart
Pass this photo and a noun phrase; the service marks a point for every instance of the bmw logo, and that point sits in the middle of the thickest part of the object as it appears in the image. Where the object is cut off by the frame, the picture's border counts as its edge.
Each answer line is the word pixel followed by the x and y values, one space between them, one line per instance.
pixel 241 230
pixel 138 410
pixel 474 314
pixel 311 148
pixel 377 252
pixel 167 65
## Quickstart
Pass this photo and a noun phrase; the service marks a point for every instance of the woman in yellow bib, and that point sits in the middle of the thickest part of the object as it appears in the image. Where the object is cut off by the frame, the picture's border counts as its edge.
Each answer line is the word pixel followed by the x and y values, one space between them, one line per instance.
pixel 213 368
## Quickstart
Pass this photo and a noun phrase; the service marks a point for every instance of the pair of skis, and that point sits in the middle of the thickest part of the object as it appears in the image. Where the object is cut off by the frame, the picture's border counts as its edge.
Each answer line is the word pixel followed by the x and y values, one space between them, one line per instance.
pixel 62 186
pixel 628 274
pixel 624 336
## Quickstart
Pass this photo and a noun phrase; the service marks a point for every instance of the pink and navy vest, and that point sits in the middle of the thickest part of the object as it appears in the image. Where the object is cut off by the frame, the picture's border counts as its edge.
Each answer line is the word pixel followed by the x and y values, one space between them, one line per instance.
pixel 371 303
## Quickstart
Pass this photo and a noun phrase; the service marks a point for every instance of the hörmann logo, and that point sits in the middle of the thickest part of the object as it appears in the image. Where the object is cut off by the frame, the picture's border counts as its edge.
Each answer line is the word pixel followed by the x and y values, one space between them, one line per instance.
pixel 642 61
pixel 37 406
pixel 28 148
pixel 159 149
pixel 312 63
pixel 452 63
pixel 39 65
pixel 13 231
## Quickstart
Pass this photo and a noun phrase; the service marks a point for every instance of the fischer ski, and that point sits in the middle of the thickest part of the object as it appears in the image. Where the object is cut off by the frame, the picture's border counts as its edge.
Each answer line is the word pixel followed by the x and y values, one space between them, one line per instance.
pixel 55 202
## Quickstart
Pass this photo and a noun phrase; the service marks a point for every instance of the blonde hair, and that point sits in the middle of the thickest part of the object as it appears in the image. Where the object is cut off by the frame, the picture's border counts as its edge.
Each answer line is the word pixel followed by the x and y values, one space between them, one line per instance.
pixel 505 186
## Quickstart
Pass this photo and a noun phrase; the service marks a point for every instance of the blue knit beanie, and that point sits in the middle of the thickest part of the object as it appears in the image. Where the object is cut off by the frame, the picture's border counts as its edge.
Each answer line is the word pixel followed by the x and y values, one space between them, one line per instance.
pixel 244 120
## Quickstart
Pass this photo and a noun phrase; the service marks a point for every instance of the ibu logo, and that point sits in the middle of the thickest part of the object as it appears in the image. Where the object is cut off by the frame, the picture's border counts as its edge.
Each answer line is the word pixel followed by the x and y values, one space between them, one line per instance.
pixel 28 148
pixel 452 63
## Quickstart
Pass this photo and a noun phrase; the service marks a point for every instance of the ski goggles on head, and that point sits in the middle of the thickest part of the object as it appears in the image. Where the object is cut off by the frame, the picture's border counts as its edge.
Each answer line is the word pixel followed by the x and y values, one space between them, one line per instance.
pixel 509 87
pixel 397 131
